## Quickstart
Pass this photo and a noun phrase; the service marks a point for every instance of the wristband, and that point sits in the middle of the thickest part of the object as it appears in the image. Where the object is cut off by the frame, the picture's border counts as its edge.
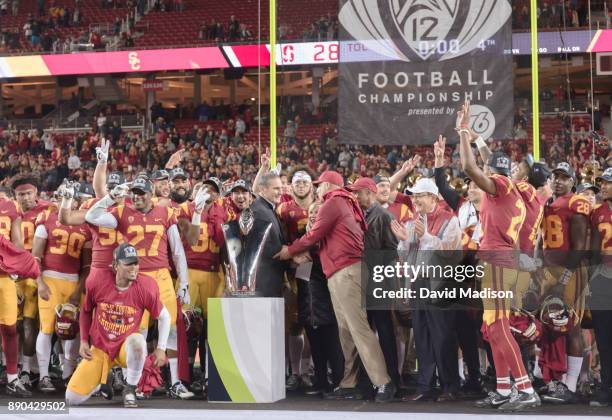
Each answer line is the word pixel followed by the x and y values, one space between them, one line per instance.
pixel 463 130
pixel 196 218
pixel 480 143
pixel 66 203
pixel 565 277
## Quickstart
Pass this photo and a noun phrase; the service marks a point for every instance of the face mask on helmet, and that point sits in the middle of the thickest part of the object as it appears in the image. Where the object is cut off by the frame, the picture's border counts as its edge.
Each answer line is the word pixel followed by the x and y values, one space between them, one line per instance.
pixel 194 322
pixel 66 321
pixel 556 315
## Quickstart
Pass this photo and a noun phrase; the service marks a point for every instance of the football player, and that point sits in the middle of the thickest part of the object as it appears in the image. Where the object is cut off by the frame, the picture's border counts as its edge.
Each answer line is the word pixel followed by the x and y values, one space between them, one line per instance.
pixel 64 254
pixel 153 231
pixel 293 215
pixel 161 183
pixel 30 206
pixel 601 293
pixel 240 198
pixel 502 213
pixel 203 240
pixel 564 242
pixel 109 323
pixel 10 229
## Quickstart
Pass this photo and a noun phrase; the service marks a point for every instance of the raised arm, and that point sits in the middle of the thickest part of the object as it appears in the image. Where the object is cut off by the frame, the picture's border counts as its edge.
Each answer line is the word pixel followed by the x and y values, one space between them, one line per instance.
pixel 468 162
pixel 397 178
pixel 99 177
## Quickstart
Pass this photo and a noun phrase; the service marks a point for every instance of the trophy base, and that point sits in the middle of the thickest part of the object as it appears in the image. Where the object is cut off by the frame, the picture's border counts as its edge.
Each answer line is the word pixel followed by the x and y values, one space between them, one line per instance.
pixel 243 293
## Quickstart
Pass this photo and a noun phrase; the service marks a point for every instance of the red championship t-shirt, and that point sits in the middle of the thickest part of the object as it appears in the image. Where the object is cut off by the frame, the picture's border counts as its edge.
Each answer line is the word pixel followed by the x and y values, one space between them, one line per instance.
pixel 117 313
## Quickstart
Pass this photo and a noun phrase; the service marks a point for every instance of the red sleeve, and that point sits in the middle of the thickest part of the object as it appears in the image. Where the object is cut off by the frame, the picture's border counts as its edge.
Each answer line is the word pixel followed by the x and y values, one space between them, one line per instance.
pixel 327 216
pixel 580 205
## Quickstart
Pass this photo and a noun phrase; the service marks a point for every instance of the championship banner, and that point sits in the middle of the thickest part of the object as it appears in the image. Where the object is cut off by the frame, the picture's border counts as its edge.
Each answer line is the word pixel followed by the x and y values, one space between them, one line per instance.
pixel 406 66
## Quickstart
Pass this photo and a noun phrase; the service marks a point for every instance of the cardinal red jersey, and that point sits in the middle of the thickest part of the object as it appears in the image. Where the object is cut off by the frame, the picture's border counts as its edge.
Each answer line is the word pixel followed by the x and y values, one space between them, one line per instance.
pixel 8 214
pixel 28 222
pixel 147 232
pixel 402 208
pixel 64 243
pixel 204 255
pixel 501 218
pixel 601 221
pixel 117 313
pixel 534 211
pixel 558 214
pixel 105 240
pixel 294 218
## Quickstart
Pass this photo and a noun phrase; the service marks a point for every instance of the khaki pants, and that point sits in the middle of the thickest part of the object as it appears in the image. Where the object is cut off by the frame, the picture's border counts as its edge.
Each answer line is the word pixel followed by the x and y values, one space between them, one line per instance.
pixel 356 336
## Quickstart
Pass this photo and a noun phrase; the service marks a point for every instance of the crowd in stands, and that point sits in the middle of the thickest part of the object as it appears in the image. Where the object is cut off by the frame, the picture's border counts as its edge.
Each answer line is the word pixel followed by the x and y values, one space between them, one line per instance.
pixel 234 31
pixel 224 145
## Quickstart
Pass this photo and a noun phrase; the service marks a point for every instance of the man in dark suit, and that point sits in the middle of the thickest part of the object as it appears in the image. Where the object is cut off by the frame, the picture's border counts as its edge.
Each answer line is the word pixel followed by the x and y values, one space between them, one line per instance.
pixel 270 272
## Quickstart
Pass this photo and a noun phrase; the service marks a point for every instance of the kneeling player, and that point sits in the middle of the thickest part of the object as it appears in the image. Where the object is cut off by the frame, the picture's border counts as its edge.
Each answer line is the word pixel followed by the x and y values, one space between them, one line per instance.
pixel 119 302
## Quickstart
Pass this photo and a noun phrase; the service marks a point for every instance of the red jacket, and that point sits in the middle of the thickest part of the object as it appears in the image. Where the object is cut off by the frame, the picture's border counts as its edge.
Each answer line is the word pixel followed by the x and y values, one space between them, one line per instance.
pixel 17 261
pixel 339 229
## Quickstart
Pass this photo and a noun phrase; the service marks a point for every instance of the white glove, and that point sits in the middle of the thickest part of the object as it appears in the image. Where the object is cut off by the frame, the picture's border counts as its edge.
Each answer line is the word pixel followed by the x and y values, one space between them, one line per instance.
pixel 278 169
pixel 183 294
pixel 526 263
pixel 120 191
pixel 201 199
pixel 102 151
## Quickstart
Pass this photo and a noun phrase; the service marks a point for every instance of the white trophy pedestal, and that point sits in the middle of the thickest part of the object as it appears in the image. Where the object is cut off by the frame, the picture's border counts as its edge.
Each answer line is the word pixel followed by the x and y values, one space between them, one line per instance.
pixel 246 350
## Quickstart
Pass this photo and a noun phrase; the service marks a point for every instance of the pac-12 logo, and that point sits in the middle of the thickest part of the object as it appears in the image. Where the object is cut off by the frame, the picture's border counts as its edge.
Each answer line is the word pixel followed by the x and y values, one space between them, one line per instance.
pixel 420 30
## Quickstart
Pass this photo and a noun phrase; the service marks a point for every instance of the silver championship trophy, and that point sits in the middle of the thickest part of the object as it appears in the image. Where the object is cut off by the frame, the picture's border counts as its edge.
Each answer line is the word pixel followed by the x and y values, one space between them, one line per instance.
pixel 244 242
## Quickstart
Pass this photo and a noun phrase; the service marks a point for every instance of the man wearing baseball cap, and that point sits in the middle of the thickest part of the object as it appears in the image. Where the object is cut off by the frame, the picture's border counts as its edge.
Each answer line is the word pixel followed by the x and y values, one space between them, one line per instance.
pixel 588 191
pixel 566 218
pixel 180 186
pixel 380 249
pixel 601 292
pixel 241 197
pixel 153 231
pixel 339 231
pixel 161 183
pixel 123 295
pixel 435 228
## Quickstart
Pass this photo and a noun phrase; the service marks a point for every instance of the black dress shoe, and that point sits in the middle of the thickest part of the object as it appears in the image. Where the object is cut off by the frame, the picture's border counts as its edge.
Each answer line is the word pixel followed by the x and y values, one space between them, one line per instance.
pixel 447 396
pixel 419 397
pixel 344 394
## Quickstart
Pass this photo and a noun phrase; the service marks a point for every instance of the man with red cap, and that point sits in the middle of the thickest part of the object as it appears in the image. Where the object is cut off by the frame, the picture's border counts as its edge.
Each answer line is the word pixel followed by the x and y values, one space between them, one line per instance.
pixel 339 230
pixel 380 249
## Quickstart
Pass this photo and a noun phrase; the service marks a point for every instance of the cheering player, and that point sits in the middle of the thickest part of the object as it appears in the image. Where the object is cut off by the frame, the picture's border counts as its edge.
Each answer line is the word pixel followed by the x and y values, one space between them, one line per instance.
pixel 293 214
pixel 153 231
pixel 564 241
pixel 119 299
pixel 64 254
pixel 502 213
